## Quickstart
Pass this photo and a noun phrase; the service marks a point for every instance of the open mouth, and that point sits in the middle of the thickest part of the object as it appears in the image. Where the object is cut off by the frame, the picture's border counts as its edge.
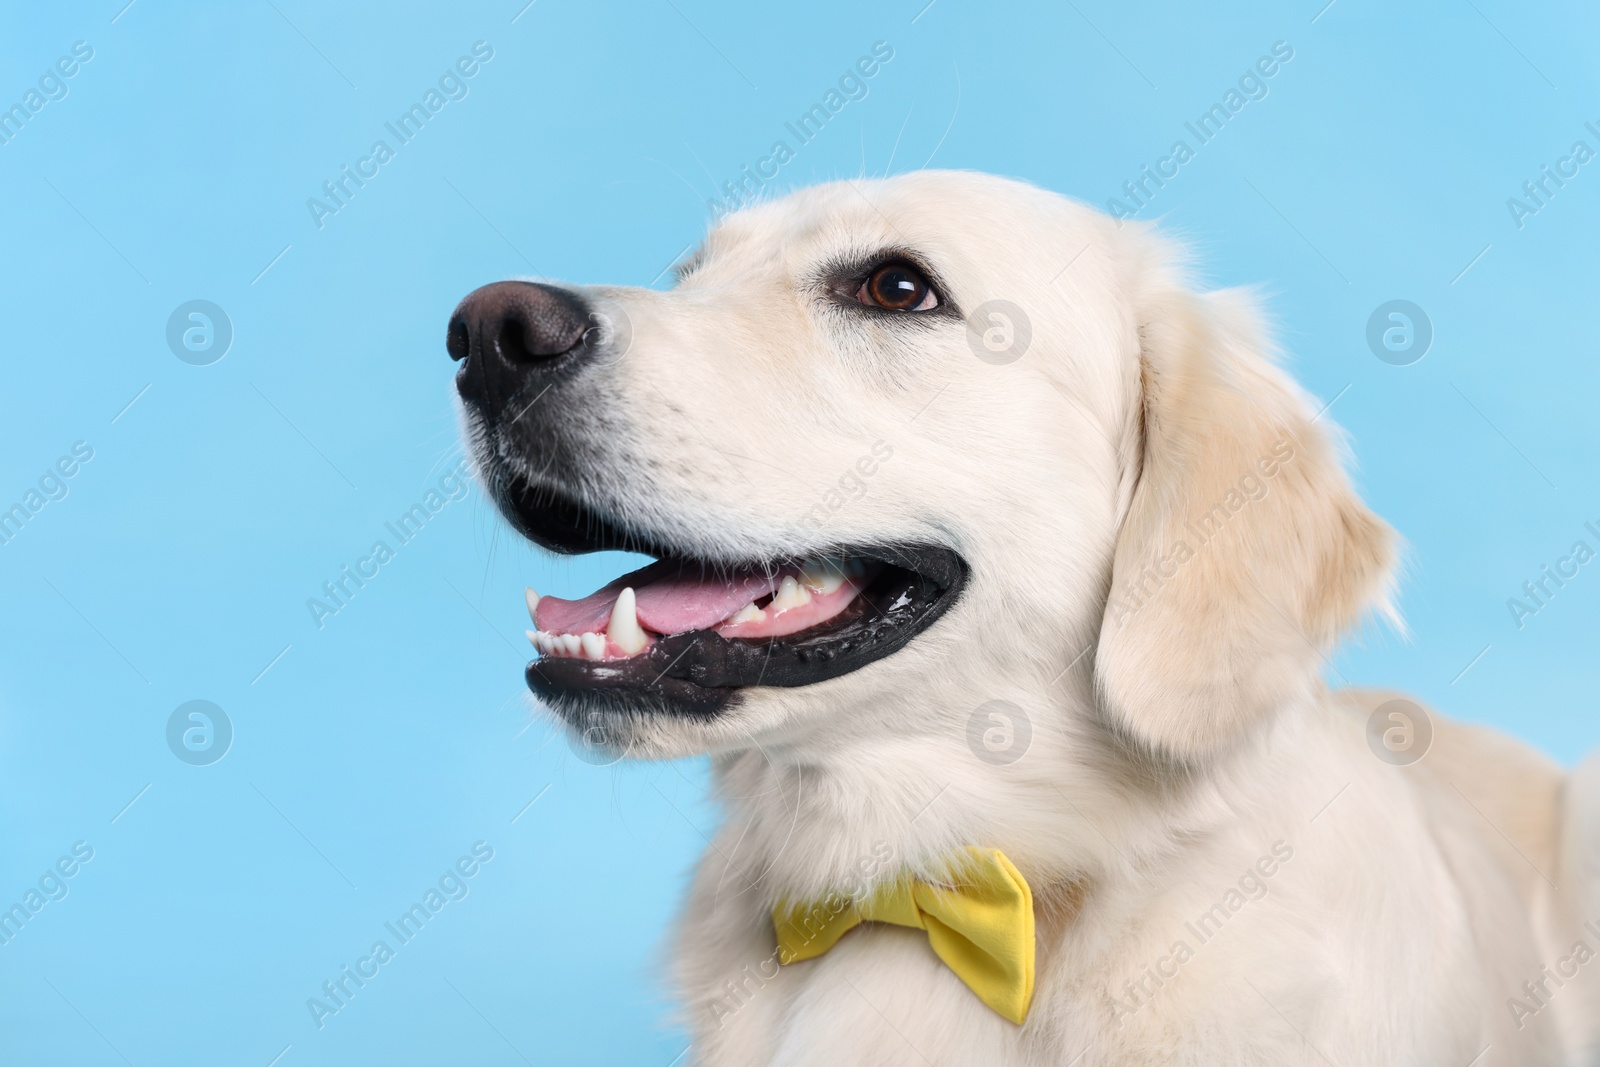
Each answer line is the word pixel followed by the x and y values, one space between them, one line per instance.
pixel 685 635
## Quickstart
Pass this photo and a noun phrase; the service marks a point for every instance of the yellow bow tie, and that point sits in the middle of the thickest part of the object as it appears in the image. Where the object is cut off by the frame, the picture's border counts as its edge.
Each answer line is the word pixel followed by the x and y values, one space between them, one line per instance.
pixel 981 925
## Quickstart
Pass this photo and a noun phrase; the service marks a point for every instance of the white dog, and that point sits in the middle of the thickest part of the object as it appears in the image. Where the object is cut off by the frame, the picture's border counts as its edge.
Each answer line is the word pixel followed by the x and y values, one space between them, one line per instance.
pixel 985 537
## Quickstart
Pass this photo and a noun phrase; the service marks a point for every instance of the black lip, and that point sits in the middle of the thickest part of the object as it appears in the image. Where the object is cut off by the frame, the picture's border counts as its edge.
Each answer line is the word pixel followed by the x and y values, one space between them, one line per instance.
pixel 551 519
pixel 700 673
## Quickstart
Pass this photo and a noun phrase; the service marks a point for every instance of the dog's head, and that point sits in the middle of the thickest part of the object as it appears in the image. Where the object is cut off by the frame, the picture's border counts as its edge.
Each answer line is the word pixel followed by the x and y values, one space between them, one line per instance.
pixel 902 447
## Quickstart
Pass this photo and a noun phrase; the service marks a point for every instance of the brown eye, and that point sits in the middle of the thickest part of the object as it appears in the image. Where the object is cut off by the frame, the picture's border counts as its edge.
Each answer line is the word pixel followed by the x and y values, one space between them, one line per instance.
pixel 897 287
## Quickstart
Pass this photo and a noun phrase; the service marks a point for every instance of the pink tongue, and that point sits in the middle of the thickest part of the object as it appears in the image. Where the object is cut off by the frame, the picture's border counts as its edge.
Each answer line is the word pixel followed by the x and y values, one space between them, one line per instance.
pixel 671 598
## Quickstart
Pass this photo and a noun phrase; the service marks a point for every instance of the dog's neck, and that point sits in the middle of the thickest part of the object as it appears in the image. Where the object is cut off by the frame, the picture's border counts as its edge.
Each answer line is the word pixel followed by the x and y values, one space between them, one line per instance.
pixel 810 818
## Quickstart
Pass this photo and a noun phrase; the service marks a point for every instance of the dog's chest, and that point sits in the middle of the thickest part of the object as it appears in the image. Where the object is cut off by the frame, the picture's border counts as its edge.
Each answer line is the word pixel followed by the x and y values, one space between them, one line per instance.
pixel 879 996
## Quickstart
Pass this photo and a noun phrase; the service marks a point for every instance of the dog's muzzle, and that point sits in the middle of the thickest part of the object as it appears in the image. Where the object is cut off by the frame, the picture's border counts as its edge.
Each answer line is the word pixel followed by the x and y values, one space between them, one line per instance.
pixel 539 373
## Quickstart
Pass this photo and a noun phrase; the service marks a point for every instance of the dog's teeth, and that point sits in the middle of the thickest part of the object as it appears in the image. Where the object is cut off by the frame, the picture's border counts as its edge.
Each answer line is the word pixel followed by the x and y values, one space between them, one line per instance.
pixel 822 576
pixel 547 643
pixel 533 605
pixel 748 613
pixel 790 594
pixel 570 644
pixel 533 639
pixel 624 629
pixel 594 646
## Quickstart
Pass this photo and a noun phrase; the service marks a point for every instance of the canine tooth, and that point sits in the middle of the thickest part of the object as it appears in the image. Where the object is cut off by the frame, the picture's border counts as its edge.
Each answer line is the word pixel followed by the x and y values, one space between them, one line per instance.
pixel 748 613
pixel 533 639
pixel 570 644
pixel 594 646
pixel 533 604
pixel 624 629
pixel 790 594
pixel 822 576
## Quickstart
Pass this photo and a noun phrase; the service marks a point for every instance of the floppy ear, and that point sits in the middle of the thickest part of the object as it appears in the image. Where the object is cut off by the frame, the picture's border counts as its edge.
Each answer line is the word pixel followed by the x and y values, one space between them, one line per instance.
pixel 1244 551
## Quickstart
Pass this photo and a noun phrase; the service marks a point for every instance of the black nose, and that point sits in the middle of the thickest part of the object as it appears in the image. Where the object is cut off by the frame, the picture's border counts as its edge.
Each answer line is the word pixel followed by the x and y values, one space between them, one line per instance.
pixel 508 332
pixel 517 322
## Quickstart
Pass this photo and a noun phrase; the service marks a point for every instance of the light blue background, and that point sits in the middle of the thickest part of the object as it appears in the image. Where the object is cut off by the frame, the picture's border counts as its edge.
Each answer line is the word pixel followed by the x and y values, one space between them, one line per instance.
pixel 376 750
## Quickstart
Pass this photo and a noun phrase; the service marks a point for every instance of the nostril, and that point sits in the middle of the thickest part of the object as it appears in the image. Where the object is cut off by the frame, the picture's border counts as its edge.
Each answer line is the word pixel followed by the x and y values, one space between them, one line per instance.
pixel 539 326
pixel 457 341
pixel 510 342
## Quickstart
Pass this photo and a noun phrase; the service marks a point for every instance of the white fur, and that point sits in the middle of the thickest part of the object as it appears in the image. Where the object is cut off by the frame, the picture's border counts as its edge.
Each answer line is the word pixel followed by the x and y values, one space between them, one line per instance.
pixel 1173 745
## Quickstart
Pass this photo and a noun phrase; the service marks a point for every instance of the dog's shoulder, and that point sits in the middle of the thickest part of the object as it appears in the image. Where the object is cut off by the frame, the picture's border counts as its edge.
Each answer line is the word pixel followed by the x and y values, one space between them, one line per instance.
pixel 1512 790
